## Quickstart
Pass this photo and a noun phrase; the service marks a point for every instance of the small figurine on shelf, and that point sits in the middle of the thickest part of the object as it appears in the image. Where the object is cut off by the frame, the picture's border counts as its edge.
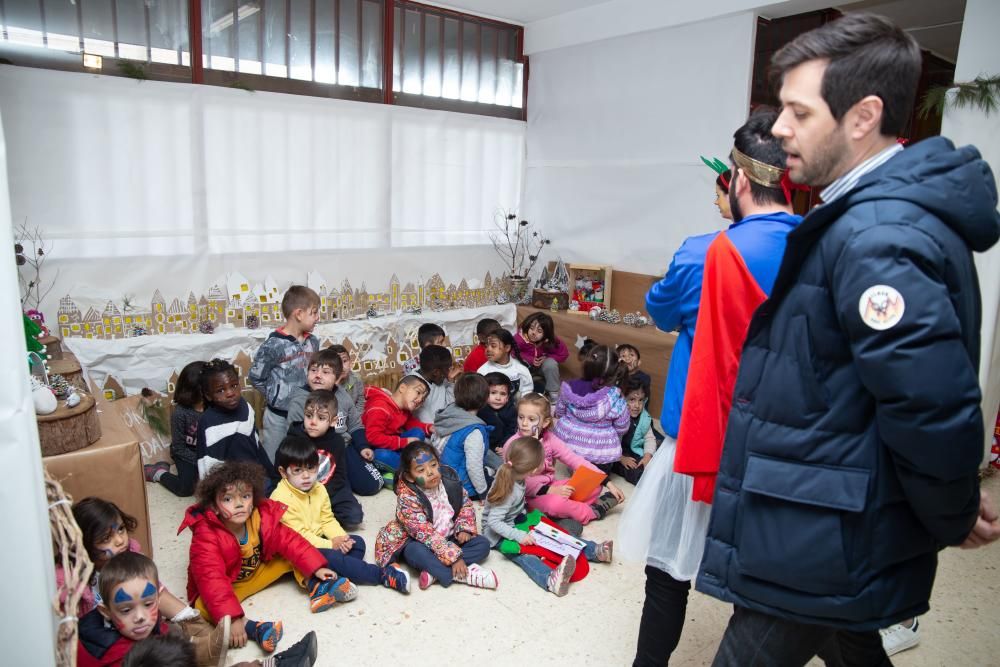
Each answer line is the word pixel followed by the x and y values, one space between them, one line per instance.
pixel 372 311
pixel 501 298
pixel 206 327
pixel 555 306
pixel 252 322
pixel 595 312
pixel 59 385
pixel 73 399
pixel 574 305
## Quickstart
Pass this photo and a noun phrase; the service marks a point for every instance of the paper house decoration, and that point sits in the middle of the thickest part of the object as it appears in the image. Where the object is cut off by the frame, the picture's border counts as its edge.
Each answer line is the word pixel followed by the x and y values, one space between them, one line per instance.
pixel 589 286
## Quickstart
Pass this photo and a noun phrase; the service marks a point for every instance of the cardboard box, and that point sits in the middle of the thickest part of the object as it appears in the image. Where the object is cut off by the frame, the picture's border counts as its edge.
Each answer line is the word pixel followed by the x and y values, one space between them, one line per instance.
pixel 589 286
pixel 111 469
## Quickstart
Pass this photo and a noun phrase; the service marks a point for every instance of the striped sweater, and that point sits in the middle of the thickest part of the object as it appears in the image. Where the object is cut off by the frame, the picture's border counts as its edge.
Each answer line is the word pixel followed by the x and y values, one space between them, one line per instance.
pixel 592 421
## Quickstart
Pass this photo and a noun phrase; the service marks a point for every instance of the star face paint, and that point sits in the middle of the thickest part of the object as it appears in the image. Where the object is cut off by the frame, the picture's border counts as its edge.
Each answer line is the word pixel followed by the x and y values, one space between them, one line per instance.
pixel 135 608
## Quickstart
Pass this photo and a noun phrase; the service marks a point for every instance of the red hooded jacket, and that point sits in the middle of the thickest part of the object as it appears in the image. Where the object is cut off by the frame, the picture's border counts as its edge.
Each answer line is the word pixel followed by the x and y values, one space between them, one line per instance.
pixel 214 561
pixel 384 420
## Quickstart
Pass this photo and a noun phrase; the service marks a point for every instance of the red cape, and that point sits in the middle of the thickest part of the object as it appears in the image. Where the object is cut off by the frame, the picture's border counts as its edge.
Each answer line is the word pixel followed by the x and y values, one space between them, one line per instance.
pixel 729 297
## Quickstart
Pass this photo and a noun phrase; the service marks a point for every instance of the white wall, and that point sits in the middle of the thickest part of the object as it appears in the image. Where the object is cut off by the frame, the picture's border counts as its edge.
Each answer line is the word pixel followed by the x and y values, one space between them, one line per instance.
pixel 979 54
pixel 615 129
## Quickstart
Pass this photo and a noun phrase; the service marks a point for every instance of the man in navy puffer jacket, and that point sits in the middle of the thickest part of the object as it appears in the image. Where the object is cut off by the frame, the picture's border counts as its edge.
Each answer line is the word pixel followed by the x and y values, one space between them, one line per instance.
pixel 855 434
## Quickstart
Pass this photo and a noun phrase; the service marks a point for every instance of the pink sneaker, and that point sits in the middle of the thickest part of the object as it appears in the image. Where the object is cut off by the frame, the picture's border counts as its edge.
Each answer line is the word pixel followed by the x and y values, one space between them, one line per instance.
pixel 426 579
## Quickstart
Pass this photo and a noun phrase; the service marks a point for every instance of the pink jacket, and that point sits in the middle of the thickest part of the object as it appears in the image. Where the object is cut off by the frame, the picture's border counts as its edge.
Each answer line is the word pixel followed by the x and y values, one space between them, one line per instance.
pixel 529 351
pixel 555 450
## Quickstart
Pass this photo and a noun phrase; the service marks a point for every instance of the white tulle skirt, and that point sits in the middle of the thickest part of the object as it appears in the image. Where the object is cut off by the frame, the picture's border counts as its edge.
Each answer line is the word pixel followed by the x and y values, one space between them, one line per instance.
pixel 661 525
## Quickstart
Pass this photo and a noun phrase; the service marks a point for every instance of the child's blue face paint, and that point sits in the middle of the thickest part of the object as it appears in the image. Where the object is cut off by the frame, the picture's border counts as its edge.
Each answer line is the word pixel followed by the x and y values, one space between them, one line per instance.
pixel 150 589
pixel 423 457
pixel 121 596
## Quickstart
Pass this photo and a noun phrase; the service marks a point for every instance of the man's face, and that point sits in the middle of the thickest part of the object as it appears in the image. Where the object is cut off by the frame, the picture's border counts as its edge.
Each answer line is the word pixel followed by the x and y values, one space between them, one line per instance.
pixel 321 377
pixel 134 608
pixel 316 421
pixel 816 144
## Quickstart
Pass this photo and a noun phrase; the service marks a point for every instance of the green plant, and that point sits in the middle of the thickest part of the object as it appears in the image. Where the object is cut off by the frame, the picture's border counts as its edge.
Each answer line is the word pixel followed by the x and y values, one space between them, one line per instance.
pixel 981 93
pixel 241 85
pixel 132 71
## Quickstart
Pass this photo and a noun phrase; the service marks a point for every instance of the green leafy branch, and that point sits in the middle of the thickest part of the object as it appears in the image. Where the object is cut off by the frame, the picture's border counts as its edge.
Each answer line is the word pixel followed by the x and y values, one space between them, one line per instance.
pixel 981 93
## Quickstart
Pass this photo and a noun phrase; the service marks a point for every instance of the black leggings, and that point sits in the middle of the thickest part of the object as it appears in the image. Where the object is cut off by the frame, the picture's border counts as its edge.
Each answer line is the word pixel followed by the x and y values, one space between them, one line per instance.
pixel 662 618
pixel 181 484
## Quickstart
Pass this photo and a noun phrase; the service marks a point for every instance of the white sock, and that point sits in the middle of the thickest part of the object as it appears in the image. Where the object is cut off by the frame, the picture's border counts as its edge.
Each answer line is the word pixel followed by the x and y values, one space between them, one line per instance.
pixel 156 477
pixel 185 614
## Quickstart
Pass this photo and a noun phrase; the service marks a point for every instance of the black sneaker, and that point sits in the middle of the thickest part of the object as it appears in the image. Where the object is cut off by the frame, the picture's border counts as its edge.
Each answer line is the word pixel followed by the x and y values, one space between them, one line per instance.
pixel 300 654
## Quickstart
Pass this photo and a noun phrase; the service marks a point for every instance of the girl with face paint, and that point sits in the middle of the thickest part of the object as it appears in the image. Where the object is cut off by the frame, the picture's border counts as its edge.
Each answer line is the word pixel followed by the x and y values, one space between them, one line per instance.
pixel 434 529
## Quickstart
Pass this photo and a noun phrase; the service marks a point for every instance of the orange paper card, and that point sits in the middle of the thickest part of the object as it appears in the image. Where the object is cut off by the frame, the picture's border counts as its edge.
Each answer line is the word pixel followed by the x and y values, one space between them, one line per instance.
pixel 584 481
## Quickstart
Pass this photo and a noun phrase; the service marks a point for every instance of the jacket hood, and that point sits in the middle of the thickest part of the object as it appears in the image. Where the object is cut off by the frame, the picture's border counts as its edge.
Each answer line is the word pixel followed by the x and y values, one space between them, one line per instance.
pixel 453 418
pixel 955 184
pixel 592 407
pixel 379 396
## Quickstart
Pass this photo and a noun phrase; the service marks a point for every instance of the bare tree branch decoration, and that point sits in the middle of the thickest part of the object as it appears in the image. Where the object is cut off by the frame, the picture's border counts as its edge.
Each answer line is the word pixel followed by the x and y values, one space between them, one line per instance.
pixel 31 250
pixel 517 242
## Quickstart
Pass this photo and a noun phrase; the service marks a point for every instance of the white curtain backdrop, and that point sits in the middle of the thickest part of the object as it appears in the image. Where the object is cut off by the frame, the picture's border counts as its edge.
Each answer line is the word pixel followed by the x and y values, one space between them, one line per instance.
pixel 160 176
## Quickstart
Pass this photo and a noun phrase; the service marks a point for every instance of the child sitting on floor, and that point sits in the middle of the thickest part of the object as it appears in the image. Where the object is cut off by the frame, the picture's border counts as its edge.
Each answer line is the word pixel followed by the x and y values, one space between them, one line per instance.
pixel 542 352
pixel 499 411
pixel 505 507
pixel 477 356
pixel 435 367
pixel 591 414
pixel 309 513
pixel 629 356
pixel 501 351
pixel 464 437
pixel 226 430
pixel 542 490
pixel 350 381
pixel 434 528
pixel 240 547
pixel 325 367
pixel 639 441
pixel 106 532
pixel 428 334
pixel 389 421
pixel 188 406
pixel 172 651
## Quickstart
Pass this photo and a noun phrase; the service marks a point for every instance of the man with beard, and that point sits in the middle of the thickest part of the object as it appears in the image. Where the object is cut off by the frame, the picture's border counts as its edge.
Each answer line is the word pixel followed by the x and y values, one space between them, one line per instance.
pixel 720 279
pixel 855 436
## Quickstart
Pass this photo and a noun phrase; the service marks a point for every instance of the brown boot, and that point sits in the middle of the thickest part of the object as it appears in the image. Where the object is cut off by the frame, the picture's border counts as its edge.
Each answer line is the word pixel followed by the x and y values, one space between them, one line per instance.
pixel 210 644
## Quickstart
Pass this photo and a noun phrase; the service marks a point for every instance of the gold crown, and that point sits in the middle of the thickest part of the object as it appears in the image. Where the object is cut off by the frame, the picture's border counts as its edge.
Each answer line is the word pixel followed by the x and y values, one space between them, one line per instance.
pixel 759 172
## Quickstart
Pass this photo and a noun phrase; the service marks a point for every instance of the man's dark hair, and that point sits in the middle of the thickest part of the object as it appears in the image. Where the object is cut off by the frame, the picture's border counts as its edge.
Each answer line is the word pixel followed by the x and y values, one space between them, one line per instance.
pixel 754 139
pixel 427 333
pixel 868 55
pixel 434 357
pixel 471 391
pixel 296 450
pixel 328 357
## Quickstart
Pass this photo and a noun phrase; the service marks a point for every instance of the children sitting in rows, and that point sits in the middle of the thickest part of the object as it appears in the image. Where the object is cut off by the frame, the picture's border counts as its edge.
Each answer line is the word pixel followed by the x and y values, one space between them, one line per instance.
pixel 325 369
pixel 281 361
pixel 629 356
pixel 188 406
pixel 389 421
pixel 435 367
pixel 505 506
pixel 434 527
pixel 502 356
pixel 350 381
pixel 226 430
pixel 542 490
pixel 239 547
pixel 310 514
pixel 428 334
pixel 542 352
pixel 591 414
pixel 639 442
pixel 477 356
pixel 499 411
pixel 464 437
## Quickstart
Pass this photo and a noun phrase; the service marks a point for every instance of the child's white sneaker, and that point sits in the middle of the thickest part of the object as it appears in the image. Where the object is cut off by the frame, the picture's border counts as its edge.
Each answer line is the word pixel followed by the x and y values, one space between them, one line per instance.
pixel 559 579
pixel 898 638
pixel 605 551
pixel 480 577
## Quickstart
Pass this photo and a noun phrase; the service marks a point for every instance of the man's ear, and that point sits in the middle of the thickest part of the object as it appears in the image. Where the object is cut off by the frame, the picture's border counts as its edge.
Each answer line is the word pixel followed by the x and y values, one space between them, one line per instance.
pixel 866 116
pixel 740 182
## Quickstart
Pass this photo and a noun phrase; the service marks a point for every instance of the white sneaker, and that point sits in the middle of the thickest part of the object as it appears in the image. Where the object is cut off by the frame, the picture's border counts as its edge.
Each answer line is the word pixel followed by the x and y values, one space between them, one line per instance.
pixel 559 579
pixel 480 577
pixel 897 638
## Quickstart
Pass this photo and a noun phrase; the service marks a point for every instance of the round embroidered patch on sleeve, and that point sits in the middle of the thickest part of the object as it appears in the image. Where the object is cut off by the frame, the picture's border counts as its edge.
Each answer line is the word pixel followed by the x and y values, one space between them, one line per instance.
pixel 881 307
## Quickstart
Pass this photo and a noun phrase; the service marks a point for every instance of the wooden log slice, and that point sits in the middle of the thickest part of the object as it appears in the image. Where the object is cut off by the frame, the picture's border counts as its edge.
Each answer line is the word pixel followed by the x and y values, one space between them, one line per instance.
pixel 69 369
pixel 69 429
pixel 53 346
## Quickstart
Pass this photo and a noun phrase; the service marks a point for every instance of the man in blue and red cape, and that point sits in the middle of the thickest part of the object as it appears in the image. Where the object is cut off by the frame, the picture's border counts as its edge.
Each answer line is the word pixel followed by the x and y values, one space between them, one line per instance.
pixel 719 280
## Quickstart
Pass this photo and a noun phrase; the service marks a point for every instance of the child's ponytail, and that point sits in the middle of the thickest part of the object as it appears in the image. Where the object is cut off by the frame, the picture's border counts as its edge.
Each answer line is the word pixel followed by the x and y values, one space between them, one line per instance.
pixel 523 456
pixel 602 368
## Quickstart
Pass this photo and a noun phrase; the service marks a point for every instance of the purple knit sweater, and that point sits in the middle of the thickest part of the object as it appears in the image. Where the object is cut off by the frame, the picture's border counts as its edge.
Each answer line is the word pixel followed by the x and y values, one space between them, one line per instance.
pixel 591 421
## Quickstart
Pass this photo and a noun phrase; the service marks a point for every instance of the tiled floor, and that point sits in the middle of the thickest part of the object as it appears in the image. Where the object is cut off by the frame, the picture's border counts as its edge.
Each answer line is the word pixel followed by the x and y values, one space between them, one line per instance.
pixel 595 624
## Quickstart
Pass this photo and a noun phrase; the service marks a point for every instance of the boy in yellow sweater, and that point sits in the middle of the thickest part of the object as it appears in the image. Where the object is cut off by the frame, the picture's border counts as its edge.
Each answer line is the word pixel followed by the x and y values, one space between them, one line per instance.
pixel 310 514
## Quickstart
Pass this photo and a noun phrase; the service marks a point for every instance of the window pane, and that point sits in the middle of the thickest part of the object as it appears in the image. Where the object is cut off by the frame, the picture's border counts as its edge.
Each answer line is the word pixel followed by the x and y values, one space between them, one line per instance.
pixel 432 56
pixel 371 45
pixel 168 30
pixel 98 31
pixel 412 56
pixel 505 68
pixel 470 62
pixel 275 35
pixel 24 23
pixel 217 34
pixel 488 66
pixel 132 29
pixel 300 45
pixel 60 25
pixel 326 41
pixel 397 63
pixel 248 38
pixel 452 75
pixel 347 75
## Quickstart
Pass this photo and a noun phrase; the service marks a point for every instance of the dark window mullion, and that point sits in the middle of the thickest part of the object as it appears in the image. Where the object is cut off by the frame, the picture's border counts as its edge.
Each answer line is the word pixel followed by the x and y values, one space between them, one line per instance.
pixel 79 21
pixel 41 12
pixel 461 56
pixel 114 25
pixel 260 36
pixel 288 39
pixel 479 58
pixel 312 39
pixel 441 39
pixel 149 38
pixel 360 40
pixel 423 51
pixel 402 48
pixel 234 36
pixel 336 41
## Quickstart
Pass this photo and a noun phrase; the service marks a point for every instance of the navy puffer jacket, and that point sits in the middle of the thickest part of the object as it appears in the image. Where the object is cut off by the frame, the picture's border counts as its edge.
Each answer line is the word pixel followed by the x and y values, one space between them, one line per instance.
pixel 855 435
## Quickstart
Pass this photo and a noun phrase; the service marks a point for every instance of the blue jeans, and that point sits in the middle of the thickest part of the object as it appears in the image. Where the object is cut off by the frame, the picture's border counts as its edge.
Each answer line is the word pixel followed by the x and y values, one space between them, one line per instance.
pixel 352 564
pixel 387 459
pixel 421 558
pixel 754 639
pixel 538 571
